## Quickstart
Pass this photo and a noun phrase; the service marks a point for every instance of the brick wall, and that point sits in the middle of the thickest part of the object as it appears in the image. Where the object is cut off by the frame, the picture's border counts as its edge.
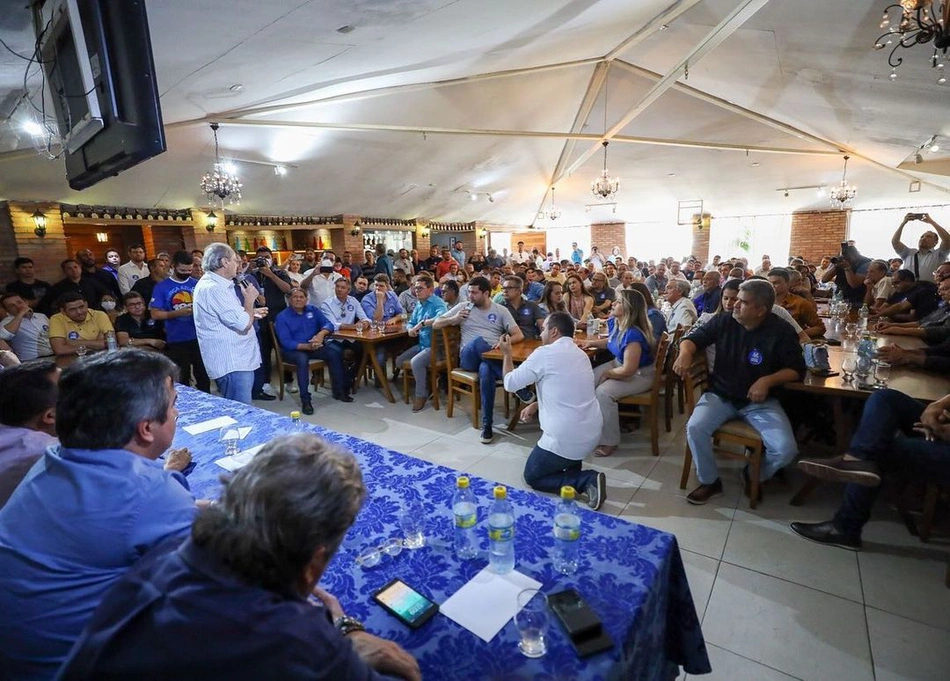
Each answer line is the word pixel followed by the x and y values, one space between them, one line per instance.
pixel 606 235
pixel 818 233
pixel 46 252
pixel 700 246
pixel 423 240
pixel 8 247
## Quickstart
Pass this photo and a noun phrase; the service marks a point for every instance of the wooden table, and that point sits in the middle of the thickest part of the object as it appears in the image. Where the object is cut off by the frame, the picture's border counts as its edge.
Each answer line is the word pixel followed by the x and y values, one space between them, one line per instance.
pixel 369 340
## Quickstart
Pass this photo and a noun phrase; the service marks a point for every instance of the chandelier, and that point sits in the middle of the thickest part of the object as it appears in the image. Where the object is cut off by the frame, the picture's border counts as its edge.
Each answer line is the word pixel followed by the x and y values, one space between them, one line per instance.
pixel 552 212
pixel 219 182
pixel 605 186
pixel 920 22
pixel 842 195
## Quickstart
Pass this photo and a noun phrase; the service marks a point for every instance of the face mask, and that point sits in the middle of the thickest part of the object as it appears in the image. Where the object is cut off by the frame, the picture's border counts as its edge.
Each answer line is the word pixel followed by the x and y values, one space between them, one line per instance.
pixel 108 305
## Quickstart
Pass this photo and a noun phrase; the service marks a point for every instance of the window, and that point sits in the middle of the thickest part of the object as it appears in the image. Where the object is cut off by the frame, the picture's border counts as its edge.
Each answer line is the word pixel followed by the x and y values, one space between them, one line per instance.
pixel 751 237
pixel 872 230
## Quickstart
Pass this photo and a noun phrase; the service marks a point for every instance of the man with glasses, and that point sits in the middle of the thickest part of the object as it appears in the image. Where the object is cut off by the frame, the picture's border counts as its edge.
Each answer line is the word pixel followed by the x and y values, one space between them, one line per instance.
pixel 924 259
pixel 528 315
pixel 421 321
pixel 26 330
pixel 136 328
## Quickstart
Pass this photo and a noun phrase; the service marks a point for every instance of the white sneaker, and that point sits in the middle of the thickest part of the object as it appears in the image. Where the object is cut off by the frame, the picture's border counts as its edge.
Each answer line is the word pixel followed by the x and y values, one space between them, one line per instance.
pixel 291 388
pixel 267 389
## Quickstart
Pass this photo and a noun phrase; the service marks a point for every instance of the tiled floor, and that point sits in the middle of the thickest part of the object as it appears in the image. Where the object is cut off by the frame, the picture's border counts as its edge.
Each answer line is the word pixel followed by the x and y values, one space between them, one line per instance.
pixel 773 605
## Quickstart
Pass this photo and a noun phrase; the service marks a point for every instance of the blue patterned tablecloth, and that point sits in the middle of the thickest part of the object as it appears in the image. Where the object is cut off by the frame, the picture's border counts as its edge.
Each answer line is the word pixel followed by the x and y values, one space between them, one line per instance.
pixel 631 575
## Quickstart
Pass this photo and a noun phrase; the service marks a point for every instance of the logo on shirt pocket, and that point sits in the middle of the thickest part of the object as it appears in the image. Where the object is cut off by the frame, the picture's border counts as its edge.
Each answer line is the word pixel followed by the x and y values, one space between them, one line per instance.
pixel 492 318
pixel 755 357
pixel 72 335
pixel 309 315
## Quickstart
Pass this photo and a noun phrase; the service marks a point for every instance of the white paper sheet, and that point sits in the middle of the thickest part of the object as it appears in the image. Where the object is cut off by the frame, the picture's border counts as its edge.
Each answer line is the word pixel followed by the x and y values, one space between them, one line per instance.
pixel 205 426
pixel 486 603
pixel 233 463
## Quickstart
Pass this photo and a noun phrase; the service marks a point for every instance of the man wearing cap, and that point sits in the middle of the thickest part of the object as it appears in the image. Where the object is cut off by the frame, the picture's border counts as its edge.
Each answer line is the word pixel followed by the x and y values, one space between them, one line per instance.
pixel 319 283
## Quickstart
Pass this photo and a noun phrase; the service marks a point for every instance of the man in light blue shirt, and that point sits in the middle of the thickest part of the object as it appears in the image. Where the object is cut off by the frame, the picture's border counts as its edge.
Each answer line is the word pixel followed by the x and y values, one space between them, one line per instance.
pixel 381 306
pixel 346 314
pixel 427 308
pixel 90 507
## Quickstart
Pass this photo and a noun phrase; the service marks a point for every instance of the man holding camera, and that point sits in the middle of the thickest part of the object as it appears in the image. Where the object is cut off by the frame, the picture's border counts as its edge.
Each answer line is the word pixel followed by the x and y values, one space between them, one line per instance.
pixel 849 271
pixel 276 284
pixel 926 258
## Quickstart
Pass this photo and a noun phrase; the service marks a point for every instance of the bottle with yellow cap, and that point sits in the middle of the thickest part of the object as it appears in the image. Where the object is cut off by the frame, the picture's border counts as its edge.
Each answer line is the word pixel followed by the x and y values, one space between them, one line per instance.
pixel 501 532
pixel 296 426
pixel 567 532
pixel 465 510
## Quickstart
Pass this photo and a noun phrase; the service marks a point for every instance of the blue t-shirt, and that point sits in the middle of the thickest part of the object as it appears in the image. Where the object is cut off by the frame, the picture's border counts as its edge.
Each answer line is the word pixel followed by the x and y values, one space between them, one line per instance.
pixel 171 295
pixel 294 328
pixel 78 521
pixel 658 321
pixel 617 344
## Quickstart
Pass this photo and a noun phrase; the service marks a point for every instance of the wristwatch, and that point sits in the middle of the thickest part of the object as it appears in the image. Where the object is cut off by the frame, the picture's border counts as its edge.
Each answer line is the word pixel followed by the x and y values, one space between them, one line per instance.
pixel 346 625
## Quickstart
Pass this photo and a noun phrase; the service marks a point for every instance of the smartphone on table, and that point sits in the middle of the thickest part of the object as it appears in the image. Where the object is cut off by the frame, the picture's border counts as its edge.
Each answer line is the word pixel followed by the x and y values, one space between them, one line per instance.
pixel 405 603
pixel 581 624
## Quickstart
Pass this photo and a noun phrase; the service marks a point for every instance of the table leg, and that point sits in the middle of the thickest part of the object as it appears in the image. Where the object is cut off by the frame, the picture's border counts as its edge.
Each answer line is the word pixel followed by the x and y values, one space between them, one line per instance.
pixel 380 371
pixel 516 414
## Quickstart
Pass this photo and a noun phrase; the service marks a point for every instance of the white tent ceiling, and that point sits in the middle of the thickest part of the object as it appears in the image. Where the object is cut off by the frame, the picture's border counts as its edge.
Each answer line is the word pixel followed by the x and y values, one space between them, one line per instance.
pixel 426 99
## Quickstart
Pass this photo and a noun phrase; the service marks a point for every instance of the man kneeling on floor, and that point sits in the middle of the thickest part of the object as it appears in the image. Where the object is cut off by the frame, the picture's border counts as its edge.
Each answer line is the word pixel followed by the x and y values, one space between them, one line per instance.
pixel 896 434
pixel 755 353
pixel 570 415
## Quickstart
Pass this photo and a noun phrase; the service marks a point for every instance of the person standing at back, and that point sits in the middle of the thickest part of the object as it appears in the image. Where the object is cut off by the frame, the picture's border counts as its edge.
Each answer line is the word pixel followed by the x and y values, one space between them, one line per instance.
pixel 134 269
pixel 384 262
pixel 172 303
pixel 926 258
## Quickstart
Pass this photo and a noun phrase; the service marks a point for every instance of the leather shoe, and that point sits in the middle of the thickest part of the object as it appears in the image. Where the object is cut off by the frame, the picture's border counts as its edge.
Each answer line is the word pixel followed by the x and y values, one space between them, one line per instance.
pixel 264 397
pixel 704 493
pixel 343 398
pixel 826 533
pixel 418 404
pixel 307 408
pixel 839 469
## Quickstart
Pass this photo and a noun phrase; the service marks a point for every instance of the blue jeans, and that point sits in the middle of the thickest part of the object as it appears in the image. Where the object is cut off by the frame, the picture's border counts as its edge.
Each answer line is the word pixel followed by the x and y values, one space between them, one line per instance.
pixel 236 386
pixel 332 354
pixel 884 436
pixel 547 472
pixel 489 371
pixel 766 417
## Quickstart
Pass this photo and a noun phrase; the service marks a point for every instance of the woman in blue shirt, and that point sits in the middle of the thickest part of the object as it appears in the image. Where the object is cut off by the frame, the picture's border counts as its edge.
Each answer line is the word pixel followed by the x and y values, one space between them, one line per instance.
pixel 657 320
pixel 630 340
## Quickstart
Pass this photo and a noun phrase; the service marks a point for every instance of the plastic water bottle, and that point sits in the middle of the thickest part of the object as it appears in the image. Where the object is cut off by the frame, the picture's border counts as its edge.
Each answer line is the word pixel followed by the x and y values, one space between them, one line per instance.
pixel 591 326
pixel 501 533
pixel 111 343
pixel 296 425
pixel 465 510
pixel 863 318
pixel 567 532
pixel 866 351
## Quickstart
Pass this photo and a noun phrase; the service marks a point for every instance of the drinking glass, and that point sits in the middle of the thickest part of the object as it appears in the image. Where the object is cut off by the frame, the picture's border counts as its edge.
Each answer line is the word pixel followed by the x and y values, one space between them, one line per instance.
pixel 81 350
pixel 848 366
pixel 359 329
pixel 412 522
pixel 850 330
pixel 532 622
pixel 231 436
pixel 882 371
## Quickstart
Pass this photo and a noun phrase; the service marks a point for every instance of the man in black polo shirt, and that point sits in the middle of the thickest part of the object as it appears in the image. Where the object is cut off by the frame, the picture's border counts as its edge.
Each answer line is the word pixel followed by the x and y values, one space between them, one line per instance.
pixel 27 286
pixel 603 295
pixel 87 259
pixel 433 260
pixel 157 271
pixel 912 299
pixel 848 271
pixel 528 315
pixel 136 328
pixel 275 283
pixel 73 281
pixel 758 352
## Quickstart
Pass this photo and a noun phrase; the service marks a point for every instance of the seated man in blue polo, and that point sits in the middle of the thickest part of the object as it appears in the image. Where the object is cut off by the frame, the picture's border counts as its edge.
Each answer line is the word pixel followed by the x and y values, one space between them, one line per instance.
pixel 346 314
pixel 381 305
pixel 428 307
pixel 528 315
pixel 91 506
pixel 483 322
pixel 302 331
pixel 756 352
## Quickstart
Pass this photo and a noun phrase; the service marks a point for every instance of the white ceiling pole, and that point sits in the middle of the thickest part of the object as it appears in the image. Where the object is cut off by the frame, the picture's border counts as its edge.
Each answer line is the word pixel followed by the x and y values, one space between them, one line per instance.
pixel 656 24
pixel 742 13
pixel 408 87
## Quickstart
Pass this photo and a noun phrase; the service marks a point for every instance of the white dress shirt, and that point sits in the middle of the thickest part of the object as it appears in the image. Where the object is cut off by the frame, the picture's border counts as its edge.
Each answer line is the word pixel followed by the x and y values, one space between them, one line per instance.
pixel 322 288
pixel 683 312
pixel 343 312
pixel 32 338
pixel 226 337
pixel 129 273
pixel 570 416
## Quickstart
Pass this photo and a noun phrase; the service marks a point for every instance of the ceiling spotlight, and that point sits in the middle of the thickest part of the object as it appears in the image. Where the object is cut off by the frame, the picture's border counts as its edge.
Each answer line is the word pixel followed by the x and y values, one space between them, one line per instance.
pixel 237 87
pixel 934 148
pixel 473 196
pixel 280 171
pixel 491 199
pixel 33 128
pixel 786 193
pixel 756 164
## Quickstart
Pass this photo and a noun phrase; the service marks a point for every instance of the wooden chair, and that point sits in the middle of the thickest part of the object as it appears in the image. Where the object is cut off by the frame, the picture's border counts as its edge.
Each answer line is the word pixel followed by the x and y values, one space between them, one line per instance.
pixel 735 432
pixel 926 522
pixel 437 365
pixel 316 365
pixel 650 399
pixel 463 382
pixel 673 382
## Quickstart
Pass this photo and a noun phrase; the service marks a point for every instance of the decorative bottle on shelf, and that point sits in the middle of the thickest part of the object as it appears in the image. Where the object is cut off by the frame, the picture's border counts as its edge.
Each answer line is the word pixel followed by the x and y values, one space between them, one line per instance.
pixel 465 512
pixel 256 243
pixel 314 243
pixel 501 533
pixel 567 532
pixel 283 244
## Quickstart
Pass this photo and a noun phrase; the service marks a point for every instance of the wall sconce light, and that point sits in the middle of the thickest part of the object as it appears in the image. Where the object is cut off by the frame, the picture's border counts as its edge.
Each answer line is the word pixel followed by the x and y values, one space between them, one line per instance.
pixel 212 221
pixel 39 222
pixel 425 231
pixel 356 229
pixel 483 232
pixel 102 237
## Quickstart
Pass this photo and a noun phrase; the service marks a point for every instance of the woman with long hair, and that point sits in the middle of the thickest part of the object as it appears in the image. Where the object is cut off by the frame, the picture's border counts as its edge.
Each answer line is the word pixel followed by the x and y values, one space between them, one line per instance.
pixel 552 300
pixel 630 341
pixel 579 302
pixel 657 320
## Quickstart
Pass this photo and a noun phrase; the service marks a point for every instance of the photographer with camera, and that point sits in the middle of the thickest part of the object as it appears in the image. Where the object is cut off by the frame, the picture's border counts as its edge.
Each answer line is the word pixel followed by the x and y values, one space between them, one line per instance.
pixel 849 271
pixel 926 258
pixel 275 283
